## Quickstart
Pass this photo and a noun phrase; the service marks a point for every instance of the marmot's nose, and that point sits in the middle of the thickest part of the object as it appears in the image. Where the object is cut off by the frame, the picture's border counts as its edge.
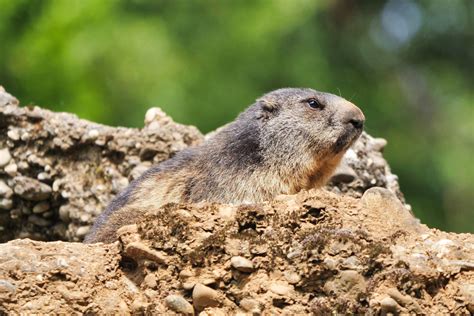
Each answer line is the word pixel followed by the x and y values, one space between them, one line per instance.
pixel 357 123
pixel 354 116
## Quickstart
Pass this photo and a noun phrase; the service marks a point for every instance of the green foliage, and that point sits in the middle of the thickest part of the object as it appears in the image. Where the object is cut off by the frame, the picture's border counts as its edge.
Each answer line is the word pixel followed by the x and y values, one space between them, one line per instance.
pixel 408 65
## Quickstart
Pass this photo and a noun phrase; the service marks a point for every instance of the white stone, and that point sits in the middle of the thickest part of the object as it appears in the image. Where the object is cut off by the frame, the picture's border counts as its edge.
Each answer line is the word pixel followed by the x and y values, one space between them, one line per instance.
pixel 5 157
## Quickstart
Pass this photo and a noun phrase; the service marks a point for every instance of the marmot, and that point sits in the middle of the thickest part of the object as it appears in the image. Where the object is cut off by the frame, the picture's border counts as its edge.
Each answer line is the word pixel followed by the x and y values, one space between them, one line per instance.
pixel 289 139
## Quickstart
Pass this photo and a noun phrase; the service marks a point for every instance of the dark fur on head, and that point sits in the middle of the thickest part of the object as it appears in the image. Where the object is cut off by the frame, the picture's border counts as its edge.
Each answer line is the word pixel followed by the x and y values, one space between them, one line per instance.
pixel 289 139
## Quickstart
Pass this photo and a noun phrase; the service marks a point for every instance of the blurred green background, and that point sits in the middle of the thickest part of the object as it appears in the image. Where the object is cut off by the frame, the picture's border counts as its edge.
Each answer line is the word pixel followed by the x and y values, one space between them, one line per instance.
pixel 407 64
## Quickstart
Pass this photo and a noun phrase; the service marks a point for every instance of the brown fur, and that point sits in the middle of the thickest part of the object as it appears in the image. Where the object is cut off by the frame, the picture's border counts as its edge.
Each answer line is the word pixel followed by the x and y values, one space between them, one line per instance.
pixel 279 145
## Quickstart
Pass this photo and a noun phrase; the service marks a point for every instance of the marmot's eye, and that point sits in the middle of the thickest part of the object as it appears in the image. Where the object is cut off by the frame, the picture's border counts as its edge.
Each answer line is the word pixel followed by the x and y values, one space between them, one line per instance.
pixel 313 103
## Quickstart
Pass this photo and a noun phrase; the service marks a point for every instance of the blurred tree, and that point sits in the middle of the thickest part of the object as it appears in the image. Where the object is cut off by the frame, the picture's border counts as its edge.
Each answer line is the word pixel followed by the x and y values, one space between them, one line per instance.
pixel 408 64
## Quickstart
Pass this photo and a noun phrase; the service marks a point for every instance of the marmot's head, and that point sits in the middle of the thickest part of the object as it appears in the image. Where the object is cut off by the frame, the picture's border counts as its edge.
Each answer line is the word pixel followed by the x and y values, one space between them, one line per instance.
pixel 306 132
pixel 322 121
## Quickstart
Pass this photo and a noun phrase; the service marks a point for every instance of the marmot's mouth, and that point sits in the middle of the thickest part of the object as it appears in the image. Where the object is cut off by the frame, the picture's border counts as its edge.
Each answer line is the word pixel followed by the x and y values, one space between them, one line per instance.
pixel 347 139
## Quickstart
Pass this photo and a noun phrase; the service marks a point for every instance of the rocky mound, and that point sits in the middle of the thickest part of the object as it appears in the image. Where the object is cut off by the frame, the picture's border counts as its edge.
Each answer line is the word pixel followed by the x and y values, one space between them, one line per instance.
pixel 353 247
pixel 315 252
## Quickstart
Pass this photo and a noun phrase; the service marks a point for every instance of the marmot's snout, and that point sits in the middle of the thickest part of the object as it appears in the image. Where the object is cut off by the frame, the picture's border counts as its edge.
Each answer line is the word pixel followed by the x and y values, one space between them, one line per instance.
pixel 353 116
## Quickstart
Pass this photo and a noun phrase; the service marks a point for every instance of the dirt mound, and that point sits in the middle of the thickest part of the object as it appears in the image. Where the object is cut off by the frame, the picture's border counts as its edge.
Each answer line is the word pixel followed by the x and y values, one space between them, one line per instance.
pixel 315 252
pixel 353 247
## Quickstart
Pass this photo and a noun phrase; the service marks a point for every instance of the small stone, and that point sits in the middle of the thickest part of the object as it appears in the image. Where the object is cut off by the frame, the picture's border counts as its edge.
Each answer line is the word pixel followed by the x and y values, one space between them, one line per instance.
pixel 5 190
pixel 188 285
pixel 82 231
pixel 25 136
pixel 292 277
pixel 155 114
pixel 150 281
pixel 242 264
pixel 31 189
pixel 6 98
pixel 184 274
pixel 119 184
pixel 209 281
pixel 343 174
pixel 389 305
pixel 38 221
pixel 11 169
pixel 41 207
pixel 48 214
pixel 23 165
pixel 139 306
pixel 294 254
pixel 139 250
pixel 139 170
pixel 204 296
pixel 69 295
pixel 330 263
pixel 93 134
pixel 43 176
pixel 250 305
pixel 178 304
pixel 227 212
pixel 6 204
pixel 6 286
pixel 5 157
pixel 147 153
pixel 64 211
pixel 184 214
pixel 378 144
pixel 280 288
pixel 467 292
pixel 13 134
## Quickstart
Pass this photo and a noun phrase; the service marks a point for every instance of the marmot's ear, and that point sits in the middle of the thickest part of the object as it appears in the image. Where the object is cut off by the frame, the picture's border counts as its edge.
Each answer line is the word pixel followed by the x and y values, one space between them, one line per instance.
pixel 267 105
pixel 268 108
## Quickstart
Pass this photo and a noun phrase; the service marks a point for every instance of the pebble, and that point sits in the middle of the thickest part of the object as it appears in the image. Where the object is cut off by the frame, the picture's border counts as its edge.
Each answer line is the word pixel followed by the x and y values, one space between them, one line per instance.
pixel 242 264
pixel 139 250
pixel 93 134
pixel 204 296
pixel 227 212
pixel 82 231
pixel 184 274
pixel 13 134
pixel 43 176
pixel 280 288
pixel 250 305
pixel 6 286
pixel 5 190
pixel 119 184
pixel 139 170
pixel 389 305
pixel 189 285
pixel 378 144
pixel 6 98
pixel 467 292
pixel 31 189
pixel 5 157
pixel 64 211
pixel 23 165
pixel 6 204
pixel 11 169
pixel 41 207
pixel 139 306
pixel 150 281
pixel 179 304
pixel 292 277
pixel 156 114
pixel 38 221
pixel 343 174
